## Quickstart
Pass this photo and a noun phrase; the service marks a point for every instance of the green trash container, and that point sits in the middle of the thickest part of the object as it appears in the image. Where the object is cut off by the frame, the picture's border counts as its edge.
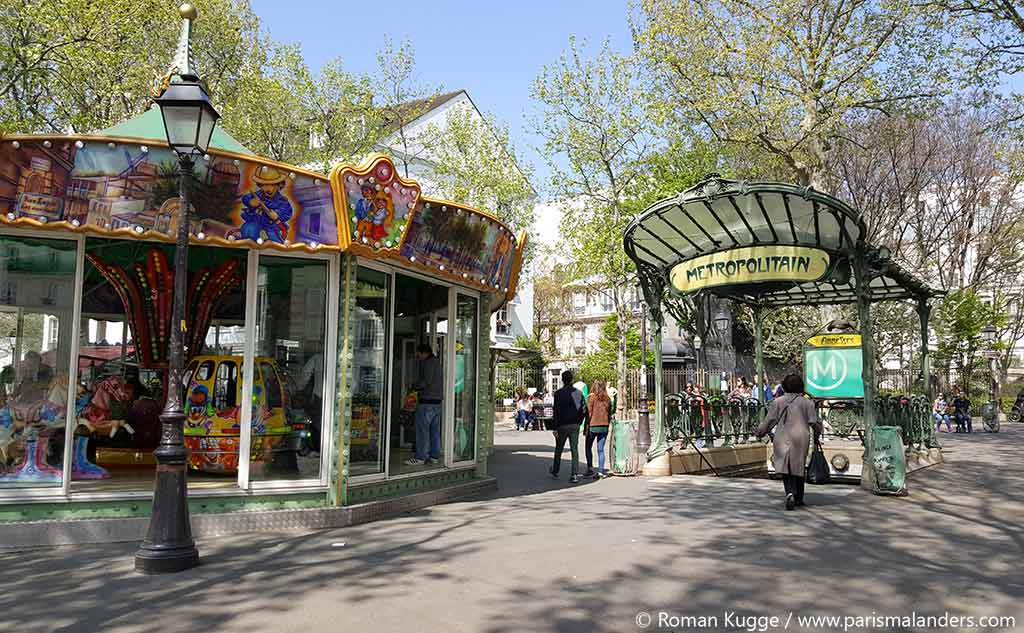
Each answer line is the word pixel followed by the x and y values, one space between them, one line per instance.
pixel 889 460
pixel 622 447
pixel 990 416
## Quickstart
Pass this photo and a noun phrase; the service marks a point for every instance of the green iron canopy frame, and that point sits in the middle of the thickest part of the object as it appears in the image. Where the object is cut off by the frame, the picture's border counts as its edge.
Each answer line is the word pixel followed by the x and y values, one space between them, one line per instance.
pixel 719 215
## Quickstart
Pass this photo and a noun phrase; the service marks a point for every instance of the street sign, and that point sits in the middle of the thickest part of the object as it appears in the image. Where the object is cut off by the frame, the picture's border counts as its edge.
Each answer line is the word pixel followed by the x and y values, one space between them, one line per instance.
pixel 835 372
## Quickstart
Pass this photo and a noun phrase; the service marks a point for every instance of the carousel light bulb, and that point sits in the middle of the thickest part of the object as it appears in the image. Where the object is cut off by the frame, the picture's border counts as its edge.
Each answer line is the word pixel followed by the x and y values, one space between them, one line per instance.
pixel 441 267
pixel 365 241
pixel 75 223
pixel 200 235
pixel 15 144
pixel 206 157
pixel 412 258
pixel 144 149
pixel 111 145
pixel 42 219
pixel 291 175
pixel 259 240
pixel 79 144
pixel 313 245
pixel 139 229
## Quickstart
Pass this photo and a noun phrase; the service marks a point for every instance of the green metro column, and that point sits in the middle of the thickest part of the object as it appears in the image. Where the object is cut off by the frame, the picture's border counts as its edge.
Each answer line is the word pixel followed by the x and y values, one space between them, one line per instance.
pixel 864 272
pixel 657 455
pixel 761 381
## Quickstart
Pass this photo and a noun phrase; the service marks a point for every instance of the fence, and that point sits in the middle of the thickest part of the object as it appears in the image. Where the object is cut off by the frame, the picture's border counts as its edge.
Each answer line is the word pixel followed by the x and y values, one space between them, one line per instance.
pixel 891 382
pixel 720 421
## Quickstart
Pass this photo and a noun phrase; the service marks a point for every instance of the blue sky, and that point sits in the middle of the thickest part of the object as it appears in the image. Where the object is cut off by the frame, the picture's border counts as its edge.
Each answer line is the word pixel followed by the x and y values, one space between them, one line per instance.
pixel 493 50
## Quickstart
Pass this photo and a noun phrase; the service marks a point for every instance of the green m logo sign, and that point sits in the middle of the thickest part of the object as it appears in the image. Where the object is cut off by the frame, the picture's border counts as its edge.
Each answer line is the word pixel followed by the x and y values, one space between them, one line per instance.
pixel 834 372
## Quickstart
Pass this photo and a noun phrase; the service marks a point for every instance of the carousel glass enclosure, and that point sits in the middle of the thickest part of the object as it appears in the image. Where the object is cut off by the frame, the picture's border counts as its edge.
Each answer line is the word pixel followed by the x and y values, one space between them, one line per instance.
pixel 278 395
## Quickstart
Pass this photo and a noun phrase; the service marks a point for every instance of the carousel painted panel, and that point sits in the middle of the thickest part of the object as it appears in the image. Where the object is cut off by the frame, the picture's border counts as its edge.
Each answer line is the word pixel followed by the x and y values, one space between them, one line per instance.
pixel 461 242
pixel 126 188
pixel 377 203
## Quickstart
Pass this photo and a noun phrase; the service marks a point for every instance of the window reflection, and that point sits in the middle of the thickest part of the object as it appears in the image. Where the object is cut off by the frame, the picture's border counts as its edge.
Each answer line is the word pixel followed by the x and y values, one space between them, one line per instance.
pixel 36 296
pixel 369 372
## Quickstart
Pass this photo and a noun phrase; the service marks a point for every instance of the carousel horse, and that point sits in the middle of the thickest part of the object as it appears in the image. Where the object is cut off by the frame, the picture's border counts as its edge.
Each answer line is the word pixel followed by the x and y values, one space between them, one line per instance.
pixel 97 415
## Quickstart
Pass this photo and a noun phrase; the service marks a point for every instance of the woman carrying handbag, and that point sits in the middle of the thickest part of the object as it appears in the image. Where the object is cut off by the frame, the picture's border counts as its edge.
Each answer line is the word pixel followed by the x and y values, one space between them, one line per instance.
pixel 794 416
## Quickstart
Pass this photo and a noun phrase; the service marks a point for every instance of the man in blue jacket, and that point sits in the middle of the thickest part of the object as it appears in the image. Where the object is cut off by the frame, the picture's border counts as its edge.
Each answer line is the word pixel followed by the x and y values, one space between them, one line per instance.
pixel 570 412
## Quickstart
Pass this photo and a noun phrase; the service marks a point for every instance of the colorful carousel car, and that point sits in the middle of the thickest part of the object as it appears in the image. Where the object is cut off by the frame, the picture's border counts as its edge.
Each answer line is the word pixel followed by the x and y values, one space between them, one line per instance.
pixel 213 418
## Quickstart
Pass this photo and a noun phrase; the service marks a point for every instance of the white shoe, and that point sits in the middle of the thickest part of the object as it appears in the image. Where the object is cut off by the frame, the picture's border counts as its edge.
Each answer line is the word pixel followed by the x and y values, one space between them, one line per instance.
pixel 414 462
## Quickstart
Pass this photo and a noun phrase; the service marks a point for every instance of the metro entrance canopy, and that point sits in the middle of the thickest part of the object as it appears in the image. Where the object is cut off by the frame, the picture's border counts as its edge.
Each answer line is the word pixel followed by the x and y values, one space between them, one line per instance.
pixel 765 245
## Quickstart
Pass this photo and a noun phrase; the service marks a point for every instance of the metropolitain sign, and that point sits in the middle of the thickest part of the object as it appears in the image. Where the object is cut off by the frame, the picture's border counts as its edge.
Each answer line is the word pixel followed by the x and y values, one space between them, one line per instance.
pixel 750 264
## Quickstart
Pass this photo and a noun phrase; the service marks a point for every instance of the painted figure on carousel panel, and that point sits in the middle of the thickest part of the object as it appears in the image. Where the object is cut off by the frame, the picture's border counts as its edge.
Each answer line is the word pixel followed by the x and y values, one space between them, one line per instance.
pixel 383 214
pixel 365 210
pixel 266 211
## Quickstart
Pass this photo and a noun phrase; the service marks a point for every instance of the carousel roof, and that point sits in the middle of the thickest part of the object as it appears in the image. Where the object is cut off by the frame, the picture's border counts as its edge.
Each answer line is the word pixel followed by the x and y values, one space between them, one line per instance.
pixel 149 126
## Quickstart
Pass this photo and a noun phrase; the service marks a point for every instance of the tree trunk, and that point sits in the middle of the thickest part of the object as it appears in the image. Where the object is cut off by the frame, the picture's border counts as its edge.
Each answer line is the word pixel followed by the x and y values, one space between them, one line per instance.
pixel 621 355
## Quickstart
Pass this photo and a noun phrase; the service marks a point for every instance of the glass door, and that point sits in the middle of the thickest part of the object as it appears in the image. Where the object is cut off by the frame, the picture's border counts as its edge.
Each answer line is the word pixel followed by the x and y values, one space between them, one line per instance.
pixel 419 391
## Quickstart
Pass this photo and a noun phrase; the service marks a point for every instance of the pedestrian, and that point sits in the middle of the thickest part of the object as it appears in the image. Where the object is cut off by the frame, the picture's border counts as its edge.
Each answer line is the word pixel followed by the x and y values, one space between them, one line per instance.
pixel 570 411
pixel 794 416
pixel 940 411
pixel 523 408
pixel 961 411
pixel 430 391
pixel 599 415
pixel 769 391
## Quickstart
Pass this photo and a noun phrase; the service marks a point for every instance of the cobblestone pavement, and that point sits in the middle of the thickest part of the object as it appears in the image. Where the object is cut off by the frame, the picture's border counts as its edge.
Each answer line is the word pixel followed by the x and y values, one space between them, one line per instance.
pixel 543 556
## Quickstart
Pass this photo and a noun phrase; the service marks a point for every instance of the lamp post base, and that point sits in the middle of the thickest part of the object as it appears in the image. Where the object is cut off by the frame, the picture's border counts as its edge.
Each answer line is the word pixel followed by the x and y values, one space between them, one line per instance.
pixel 169 546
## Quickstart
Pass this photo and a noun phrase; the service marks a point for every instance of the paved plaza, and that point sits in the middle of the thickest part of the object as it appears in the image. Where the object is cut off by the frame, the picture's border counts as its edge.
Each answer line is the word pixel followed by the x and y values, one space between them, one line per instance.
pixel 541 555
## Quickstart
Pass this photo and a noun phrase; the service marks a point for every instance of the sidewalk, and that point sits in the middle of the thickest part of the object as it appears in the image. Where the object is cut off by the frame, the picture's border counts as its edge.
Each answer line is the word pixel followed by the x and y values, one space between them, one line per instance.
pixel 541 555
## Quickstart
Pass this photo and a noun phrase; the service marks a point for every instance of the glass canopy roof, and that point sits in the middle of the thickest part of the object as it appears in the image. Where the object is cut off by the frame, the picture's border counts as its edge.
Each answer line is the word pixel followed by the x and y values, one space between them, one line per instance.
pixel 720 215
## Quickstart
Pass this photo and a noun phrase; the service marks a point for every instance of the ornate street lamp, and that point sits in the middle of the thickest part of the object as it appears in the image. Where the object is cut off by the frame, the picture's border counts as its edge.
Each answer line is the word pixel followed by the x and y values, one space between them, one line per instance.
pixel 990 412
pixel 189 119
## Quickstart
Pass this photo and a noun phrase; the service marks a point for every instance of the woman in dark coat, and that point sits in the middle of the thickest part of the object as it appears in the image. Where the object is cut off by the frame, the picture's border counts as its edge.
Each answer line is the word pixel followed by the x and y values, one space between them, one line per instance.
pixel 794 415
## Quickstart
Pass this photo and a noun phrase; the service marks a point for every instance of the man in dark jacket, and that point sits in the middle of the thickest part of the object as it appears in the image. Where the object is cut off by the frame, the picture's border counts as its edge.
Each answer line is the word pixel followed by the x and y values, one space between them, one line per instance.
pixel 570 412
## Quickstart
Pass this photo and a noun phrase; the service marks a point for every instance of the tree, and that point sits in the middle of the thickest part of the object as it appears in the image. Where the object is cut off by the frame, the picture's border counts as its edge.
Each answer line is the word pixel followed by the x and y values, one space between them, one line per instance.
pixel 778 77
pixel 552 305
pixel 73 66
pixel 960 319
pixel 784 330
pixel 402 99
pixel 345 124
pixel 474 161
pixel 602 363
pixel 597 138
pixel 270 118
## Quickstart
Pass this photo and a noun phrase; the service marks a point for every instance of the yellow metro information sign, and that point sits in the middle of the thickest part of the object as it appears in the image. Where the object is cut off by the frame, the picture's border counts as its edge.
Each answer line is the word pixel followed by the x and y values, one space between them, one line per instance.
pixel 834 340
pixel 750 264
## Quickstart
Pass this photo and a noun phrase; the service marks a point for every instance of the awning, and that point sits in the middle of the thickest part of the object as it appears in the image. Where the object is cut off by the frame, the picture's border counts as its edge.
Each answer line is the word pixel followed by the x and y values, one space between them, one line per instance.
pixel 755 223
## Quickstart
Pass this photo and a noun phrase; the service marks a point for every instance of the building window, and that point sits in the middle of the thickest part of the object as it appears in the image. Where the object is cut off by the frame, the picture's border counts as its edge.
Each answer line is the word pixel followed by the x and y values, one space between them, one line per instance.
pixel 579 302
pixel 606 301
pixel 579 340
pixel 502 324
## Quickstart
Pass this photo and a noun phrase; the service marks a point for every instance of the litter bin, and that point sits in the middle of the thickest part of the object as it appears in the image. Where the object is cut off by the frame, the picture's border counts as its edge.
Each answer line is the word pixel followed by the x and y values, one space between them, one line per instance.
pixel 888 460
pixel 623 448
pixel 990 416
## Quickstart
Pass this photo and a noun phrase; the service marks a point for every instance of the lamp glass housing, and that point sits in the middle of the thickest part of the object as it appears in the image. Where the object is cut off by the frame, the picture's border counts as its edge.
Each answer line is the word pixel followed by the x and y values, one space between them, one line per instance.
pixel 189 117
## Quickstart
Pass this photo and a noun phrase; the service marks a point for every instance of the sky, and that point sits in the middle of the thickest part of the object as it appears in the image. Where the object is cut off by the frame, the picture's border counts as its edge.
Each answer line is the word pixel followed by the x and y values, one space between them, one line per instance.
pixel 493 50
